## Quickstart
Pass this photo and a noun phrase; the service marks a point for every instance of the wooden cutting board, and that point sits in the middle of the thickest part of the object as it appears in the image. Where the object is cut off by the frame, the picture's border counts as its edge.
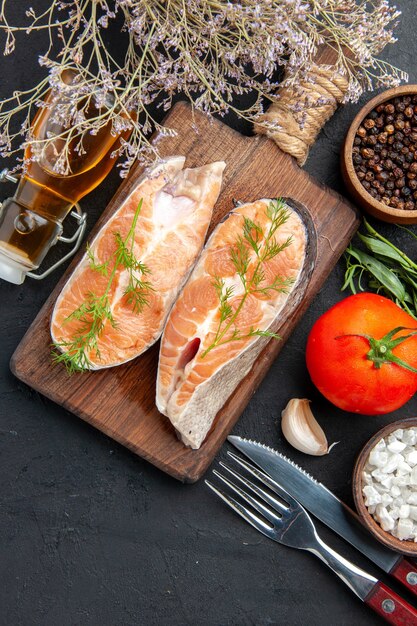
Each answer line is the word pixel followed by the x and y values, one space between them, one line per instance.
pixel 120 401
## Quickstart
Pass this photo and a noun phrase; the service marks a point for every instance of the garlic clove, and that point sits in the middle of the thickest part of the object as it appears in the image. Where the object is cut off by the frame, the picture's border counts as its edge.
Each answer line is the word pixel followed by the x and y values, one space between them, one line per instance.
pixel 301 429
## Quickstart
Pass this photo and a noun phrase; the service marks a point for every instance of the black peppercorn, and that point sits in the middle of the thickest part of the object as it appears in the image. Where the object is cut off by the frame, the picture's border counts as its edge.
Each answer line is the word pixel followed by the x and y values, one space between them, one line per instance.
pixel 384 152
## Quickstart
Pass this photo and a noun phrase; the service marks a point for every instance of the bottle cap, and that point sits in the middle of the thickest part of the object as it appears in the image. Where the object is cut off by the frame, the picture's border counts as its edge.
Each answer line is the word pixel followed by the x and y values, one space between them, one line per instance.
pixel 11 271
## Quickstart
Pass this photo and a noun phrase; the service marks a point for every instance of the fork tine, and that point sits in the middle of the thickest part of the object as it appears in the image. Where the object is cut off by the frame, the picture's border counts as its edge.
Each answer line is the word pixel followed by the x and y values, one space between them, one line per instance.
pixel 266 480
pixel 256 504
pixel 266 497
pixel 250 517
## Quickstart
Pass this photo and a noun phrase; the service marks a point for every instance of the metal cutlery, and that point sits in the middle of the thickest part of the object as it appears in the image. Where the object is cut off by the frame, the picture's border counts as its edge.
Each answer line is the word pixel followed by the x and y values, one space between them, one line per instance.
pixel 285 521
pixel 324 505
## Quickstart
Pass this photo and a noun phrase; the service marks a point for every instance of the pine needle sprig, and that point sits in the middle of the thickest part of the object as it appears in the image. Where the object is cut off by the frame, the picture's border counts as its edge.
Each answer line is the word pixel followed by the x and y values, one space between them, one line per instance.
pixel 265 247
pixel 96 311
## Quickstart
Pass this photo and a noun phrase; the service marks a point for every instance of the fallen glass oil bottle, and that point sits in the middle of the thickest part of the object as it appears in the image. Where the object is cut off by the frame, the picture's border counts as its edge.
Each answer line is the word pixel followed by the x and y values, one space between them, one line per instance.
pixel 61 168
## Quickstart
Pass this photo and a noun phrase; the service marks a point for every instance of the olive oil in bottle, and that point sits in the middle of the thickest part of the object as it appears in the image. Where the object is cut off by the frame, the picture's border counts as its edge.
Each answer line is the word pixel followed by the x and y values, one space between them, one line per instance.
pixel 31 221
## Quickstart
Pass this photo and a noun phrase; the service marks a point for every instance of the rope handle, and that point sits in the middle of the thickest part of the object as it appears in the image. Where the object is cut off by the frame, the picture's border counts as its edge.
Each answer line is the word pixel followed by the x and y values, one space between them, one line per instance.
pixel 295 119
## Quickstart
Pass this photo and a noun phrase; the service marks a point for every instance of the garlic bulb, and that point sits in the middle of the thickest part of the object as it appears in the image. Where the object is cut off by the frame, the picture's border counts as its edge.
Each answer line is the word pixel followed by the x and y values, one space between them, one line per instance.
pixel 301 429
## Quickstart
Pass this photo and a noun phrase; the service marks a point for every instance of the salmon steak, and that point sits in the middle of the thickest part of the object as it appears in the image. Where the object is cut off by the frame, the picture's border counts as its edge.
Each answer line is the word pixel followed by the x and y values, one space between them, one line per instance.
pixel 248 279
pixel 151 243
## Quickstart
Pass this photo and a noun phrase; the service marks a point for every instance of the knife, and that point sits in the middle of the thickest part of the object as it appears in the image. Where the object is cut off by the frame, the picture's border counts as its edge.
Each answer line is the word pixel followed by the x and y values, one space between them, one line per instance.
pixel 324 505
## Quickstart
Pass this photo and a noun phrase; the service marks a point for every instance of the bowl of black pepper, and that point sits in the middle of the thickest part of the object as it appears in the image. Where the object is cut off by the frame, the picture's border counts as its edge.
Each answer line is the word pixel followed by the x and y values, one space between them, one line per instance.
pixel 379 159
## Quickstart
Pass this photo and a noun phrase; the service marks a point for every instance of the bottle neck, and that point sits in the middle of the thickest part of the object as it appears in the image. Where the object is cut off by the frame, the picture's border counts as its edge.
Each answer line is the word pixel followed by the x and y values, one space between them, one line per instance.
pixel 42 200
pixel 25 235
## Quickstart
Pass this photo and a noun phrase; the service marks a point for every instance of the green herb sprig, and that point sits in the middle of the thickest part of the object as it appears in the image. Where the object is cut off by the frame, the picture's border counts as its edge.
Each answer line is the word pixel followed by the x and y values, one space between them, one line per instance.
pixel 382 267
pixel 95 311
pixel 265 247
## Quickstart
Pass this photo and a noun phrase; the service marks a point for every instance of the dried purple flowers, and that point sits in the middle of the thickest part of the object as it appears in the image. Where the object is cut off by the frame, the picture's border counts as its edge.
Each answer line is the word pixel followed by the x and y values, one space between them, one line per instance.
pixel 211 51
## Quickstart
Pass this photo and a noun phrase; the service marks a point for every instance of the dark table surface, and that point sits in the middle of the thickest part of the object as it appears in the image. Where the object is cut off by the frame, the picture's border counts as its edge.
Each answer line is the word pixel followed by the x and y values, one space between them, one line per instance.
pixel 91 534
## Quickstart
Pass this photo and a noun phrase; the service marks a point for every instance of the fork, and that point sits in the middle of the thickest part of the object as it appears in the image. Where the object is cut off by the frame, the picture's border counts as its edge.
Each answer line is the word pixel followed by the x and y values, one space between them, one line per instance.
pixel 284 520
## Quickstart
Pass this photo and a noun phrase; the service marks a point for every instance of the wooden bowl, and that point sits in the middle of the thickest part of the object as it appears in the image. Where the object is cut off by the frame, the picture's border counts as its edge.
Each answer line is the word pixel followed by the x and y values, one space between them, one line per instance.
pixel 356 190
pixel 405 547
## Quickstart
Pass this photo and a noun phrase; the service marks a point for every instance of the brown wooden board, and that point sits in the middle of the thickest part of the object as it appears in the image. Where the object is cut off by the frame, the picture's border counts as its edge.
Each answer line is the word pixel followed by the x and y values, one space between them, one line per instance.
pixel 120 401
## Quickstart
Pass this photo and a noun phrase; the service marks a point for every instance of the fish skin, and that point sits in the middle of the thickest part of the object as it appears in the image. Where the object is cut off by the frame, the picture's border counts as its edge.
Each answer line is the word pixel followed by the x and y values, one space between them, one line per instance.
pixel 191 394
pixel 176 212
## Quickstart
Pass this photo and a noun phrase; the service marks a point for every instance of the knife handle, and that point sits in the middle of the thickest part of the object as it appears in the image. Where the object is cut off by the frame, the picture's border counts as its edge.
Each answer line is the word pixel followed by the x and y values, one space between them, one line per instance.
pixel 390 606
pixel 406 572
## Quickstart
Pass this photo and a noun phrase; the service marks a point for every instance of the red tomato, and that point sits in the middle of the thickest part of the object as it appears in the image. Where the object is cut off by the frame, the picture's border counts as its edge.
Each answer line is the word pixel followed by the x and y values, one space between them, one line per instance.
pixel 357 373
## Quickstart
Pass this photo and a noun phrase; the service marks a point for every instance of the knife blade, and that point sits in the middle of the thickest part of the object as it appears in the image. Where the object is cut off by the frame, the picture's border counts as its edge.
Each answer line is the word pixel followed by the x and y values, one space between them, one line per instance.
pixel 324 505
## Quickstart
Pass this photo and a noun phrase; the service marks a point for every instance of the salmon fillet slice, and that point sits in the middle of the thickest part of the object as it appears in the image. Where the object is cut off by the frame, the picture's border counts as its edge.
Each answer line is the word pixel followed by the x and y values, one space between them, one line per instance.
pixel 176 209
pixel 196 375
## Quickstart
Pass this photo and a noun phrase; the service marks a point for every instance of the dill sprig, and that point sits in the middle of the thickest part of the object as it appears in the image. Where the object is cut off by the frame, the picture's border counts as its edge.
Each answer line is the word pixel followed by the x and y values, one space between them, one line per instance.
pixel 266 247
pixel 96 310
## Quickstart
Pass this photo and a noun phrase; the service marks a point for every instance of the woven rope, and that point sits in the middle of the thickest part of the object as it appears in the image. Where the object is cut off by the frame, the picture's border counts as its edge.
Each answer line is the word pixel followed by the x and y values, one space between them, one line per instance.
pixel 321 85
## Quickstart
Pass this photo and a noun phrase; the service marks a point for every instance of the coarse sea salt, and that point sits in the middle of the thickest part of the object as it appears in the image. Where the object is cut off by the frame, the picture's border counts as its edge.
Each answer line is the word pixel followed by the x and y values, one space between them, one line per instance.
pixel 389 483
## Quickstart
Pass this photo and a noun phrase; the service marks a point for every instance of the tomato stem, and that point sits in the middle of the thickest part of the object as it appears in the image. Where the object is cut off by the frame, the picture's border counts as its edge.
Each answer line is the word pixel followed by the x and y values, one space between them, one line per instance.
pixel 381 349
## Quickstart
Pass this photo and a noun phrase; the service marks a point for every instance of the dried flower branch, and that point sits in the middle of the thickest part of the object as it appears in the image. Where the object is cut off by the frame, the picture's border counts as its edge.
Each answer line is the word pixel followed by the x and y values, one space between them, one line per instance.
pixel 211 51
